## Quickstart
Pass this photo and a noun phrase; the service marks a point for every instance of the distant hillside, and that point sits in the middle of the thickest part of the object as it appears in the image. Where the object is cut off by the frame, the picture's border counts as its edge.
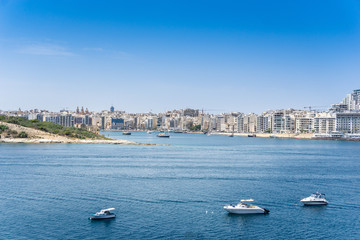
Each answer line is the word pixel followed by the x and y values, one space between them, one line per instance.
pixel 70 132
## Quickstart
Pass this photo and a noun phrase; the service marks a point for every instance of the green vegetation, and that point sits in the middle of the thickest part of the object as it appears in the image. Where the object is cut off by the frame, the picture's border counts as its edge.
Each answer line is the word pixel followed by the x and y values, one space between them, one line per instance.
pixel 195 128
pixel 22 135
pixel 12 132
pixel 52 128
pixel 3 128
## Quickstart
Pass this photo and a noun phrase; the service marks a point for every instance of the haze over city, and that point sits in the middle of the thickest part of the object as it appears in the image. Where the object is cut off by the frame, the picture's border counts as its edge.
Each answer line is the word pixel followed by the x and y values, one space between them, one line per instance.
pixel 141 56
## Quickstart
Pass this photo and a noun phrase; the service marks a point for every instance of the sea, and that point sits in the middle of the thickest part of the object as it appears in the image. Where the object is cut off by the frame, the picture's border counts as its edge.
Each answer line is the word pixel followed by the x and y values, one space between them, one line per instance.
pixel 48 191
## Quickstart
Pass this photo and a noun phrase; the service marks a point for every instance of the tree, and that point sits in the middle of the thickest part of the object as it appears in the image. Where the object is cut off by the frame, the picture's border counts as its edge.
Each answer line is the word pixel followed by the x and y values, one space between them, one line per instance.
pixel 195 128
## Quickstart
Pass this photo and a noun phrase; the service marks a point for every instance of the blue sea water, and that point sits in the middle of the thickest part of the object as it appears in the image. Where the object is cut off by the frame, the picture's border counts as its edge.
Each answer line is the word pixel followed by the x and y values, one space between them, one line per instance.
pixel 48 191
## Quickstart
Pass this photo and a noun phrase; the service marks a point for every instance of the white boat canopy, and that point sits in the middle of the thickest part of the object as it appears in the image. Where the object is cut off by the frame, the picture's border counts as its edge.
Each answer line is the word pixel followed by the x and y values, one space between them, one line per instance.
pixel 107 209
pixel 247 200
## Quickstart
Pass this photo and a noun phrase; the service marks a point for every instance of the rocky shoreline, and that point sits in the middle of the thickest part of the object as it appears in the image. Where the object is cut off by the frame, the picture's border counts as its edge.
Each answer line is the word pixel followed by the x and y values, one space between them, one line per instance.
pixel 37 136
pixel 75 141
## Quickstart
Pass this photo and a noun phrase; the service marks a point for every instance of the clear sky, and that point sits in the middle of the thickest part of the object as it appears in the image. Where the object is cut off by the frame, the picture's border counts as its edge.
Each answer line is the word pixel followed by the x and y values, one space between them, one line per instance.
pixel 247 56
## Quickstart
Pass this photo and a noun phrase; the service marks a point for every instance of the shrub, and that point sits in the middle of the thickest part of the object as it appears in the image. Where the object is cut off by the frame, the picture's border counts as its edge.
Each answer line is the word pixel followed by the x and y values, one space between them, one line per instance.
pixel 13 120
pixel 13 132
pixel 22 135
pixel 3 127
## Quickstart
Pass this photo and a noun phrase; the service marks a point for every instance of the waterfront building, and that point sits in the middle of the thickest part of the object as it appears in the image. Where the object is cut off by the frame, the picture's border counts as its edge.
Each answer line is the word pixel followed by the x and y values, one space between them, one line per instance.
pixel 117 123
pixel 288 123
pixel 149 123
pixel 240 121
pixel 348 122
pixel 260 124
pixel 324 123
pixel 276 121
pixel 220 123
pixel 249 123
pixel 304 124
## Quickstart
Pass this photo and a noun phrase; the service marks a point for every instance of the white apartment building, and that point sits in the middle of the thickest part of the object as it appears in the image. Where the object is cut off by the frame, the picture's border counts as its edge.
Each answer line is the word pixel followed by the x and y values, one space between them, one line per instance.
pixel 220 123
pixel 287 123
pixel 250 123
pixel 304 124
pixel 276 121
pixel 324 123
pixel 348 122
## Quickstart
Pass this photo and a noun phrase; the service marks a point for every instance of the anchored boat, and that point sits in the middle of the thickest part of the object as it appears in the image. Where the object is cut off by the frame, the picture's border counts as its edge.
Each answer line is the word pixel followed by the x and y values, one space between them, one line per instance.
pixel 315 199
pixel 243 208
pixel 103 214
pixel 163 135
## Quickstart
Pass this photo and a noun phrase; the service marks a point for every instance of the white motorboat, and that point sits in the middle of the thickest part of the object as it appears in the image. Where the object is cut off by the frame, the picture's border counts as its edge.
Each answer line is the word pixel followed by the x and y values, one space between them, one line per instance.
pixel 103 214
pixel 315 199
pixel 243 208
pixel 163 135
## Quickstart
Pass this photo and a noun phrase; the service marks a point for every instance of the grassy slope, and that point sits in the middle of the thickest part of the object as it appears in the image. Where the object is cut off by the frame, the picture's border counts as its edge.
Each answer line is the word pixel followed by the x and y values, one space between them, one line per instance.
pixel 52 128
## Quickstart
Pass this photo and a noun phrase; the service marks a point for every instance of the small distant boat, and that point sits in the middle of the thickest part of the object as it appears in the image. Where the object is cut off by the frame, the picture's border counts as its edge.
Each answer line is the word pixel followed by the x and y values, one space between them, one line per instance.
pixel 163 135
pixel 103 214
pixel 243 208
pixel 252 135
pixel 126 133
pixel 273 136
pixel 149 132
pixel 315 199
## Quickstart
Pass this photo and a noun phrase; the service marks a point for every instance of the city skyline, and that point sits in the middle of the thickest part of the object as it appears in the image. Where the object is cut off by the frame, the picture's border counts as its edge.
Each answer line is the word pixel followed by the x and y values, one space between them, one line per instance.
pixel 111 108
pixel 140 57
pixel 341 118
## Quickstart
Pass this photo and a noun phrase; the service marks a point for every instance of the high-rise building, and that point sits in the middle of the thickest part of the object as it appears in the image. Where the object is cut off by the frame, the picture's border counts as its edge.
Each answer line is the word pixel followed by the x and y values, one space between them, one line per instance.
pixel 350 103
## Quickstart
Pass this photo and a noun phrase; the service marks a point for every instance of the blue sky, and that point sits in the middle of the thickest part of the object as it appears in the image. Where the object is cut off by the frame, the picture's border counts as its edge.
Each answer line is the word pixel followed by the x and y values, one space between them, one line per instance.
pixel 247 56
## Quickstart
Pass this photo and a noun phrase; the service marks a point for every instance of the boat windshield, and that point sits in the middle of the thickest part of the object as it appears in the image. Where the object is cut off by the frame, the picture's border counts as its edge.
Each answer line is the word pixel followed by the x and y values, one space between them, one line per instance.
pixel 318 195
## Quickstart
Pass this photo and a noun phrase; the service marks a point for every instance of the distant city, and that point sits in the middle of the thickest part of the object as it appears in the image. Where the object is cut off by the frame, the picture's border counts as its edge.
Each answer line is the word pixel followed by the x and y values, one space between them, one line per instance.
pixel 343 117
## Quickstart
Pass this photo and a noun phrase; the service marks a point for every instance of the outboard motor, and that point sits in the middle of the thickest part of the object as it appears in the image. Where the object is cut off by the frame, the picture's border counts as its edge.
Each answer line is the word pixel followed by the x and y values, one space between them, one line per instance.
pixel 266 211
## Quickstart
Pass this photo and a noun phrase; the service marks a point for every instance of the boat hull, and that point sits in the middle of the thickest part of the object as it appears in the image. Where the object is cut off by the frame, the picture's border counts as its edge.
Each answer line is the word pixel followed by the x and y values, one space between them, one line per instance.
pixel 246 211
pixel 99 217
pixel 313 203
